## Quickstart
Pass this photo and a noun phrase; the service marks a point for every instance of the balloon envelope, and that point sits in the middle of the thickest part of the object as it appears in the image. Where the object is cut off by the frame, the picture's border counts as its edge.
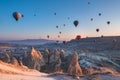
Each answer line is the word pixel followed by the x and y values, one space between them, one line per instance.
pixel 64 42
pixel 16 16
pixel 76 22
pixel 99 14
pixel 78 37
pixel 108 22
pixel 56 26
pixel 97 30
pixel 60 32
pixel 91 19
pixel 48 36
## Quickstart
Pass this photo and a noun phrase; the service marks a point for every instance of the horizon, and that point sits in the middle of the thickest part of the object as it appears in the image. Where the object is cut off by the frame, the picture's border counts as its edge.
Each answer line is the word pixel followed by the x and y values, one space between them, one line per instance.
pixel 40 20
pixel 59 40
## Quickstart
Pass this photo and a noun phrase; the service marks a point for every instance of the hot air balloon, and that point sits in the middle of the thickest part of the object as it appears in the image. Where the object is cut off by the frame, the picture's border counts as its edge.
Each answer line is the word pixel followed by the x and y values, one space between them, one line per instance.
pixel 76 22
pixel 99 14
pixel 56 26
pixel 22 15
pixel 68 18
pixel 88 2
pixel 102 36
pixel 108 22
pixel 58 36
pixel 54 13
pixel 91 19
pixel 64 25
pixel 34 14
pixel 97 30
pixel 60 32
pixel 57 41
pixel 48 36
pixel 78 37
pixel 16 15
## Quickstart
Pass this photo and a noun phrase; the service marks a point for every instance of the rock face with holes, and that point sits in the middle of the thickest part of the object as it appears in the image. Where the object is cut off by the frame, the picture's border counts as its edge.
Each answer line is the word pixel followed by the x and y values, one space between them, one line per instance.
pixel 33 60
pixel 74 68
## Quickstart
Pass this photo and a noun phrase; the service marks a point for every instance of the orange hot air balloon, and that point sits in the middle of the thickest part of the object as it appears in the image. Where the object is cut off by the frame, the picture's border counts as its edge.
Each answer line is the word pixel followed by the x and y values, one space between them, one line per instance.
pixel 16 15
pixel 78 37
pixel 76 22
pixel 48 36
pixel 97 30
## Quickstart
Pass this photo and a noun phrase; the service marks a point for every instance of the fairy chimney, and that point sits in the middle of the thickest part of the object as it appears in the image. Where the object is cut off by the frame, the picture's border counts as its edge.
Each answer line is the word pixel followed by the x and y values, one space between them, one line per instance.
pixel 74 67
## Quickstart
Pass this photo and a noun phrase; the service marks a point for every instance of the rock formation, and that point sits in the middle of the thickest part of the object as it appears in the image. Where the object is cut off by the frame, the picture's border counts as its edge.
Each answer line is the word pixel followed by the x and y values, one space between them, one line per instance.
pixel 33 60
pixel 74 68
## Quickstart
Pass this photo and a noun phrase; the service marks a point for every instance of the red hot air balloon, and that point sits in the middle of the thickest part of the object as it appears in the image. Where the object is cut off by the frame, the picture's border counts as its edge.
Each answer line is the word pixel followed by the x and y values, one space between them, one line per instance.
pixel 97 30
pixel 16 15
pixel 78 37
pixel 76 22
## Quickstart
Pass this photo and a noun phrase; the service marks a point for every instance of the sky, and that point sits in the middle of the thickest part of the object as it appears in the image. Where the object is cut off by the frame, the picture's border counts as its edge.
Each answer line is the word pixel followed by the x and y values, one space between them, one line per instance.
pixel 45 22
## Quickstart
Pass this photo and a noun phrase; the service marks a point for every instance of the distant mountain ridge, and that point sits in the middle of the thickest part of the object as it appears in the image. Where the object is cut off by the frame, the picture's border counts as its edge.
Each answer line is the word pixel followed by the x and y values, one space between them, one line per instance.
pixel 28 41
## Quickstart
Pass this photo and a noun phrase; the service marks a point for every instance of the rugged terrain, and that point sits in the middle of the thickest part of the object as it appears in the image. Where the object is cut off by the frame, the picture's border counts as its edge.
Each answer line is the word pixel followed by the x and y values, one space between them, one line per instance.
pixel 98 58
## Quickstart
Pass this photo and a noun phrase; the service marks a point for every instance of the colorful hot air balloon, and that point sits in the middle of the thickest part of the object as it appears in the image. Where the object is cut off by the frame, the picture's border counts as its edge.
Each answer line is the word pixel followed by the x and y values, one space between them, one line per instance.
pixel 78 37
pixel 97 30
pixel 76 22
pixel 16 15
